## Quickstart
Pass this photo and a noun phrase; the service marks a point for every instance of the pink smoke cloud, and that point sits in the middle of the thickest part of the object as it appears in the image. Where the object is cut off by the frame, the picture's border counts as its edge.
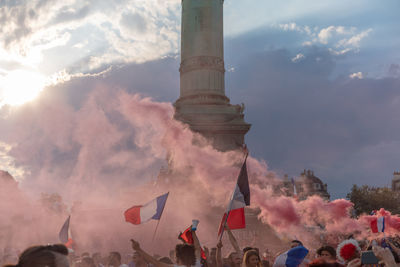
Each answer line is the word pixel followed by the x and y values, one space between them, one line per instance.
pixel 105 156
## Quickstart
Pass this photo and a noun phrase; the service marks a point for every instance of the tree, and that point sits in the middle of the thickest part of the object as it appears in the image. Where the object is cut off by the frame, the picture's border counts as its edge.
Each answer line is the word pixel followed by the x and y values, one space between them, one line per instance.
pixel 367 199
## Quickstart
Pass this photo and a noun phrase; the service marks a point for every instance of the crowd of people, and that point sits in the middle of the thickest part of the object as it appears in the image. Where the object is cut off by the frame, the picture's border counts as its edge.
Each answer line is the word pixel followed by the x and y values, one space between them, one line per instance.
pixel 349 253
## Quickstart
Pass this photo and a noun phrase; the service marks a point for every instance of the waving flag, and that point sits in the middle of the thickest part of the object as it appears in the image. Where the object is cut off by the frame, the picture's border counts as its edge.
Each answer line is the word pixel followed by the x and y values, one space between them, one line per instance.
pixel 143 213
pixel 187 238
pixel 234 215
pixel 378 225
pixel 291 258
pixel 64 235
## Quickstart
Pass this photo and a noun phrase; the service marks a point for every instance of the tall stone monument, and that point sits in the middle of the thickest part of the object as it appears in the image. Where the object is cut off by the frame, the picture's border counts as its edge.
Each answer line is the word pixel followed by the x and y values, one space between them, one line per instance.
pixel 203 104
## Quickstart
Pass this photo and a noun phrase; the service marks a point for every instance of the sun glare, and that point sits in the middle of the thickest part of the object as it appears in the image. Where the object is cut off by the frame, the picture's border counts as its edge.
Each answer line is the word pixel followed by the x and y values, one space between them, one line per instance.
pixel 20 86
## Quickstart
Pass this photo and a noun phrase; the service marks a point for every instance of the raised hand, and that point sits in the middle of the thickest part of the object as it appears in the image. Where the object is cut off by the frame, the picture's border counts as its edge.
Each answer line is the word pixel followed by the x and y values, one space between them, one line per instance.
pixel 135 245
pixel 394 247
pixel 384 255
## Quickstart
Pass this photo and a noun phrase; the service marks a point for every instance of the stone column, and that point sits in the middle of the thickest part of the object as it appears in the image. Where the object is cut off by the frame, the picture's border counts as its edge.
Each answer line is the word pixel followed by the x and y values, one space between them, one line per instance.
pixel 202 51
pixel 203 104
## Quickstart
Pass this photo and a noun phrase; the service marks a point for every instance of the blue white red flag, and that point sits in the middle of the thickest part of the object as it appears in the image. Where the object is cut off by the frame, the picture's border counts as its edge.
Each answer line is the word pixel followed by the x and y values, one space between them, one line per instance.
pixel 143 213
pixel 64 234
pixel 240 199
pixel 291 258
pixel 378 225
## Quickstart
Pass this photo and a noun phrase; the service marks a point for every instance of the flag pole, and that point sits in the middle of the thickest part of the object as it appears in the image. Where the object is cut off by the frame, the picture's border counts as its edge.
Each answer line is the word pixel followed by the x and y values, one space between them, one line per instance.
pixel 230 202
pixel 154 235
pixel 155 231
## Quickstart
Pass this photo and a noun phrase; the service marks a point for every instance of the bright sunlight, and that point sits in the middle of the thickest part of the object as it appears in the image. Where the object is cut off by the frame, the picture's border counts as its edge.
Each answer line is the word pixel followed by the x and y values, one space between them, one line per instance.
pixel 21 86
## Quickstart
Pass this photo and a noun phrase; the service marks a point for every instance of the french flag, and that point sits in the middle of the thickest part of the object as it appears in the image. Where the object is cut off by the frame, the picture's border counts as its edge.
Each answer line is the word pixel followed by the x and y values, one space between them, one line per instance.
pixel 143 213
pixel 378 225
pixel 234 215
pixel 291 258
pixel 65 235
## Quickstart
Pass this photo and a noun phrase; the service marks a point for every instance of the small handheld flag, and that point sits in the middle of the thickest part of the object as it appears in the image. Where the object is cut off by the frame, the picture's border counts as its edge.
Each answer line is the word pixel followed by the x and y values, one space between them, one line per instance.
pixel 234 215
pixel 63 234
pixel 291 258
pixel 378 225
pixel 187 238
pixel 143 213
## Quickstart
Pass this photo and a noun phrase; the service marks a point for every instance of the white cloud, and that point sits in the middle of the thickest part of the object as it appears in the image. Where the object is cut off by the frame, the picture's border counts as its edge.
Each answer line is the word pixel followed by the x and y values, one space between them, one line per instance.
pixel 100 32
pixel 340 52
pixel 339 39
pixel 290 26
pixel 325 34
pixel 307 43
pixel 298 28
pixel 7 163
pixel 354 40
pixel 356 75
pixel 298 57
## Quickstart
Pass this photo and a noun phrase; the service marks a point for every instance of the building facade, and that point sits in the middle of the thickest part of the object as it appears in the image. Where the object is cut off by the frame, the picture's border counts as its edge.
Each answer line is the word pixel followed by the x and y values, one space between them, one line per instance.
pixel 306 185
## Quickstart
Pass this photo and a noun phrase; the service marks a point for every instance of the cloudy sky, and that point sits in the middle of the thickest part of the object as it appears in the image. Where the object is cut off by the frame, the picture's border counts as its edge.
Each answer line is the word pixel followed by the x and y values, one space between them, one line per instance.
pixel 320 79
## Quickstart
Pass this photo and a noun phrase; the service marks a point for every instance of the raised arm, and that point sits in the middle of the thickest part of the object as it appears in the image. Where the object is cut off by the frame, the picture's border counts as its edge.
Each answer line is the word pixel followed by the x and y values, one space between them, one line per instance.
pixel 196 244
pixel 147 257
pixel 233 240
pixel 207 253
pixel 219 254
pixel 394 247
pixel 385 256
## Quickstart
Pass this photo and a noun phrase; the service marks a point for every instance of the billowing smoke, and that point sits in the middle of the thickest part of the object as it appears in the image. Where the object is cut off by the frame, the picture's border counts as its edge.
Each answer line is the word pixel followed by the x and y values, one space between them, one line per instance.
pixel 117 150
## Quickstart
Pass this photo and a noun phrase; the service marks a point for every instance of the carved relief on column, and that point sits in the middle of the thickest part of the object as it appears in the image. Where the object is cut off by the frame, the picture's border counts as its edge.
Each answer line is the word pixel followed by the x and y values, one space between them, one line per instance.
pixel 202 62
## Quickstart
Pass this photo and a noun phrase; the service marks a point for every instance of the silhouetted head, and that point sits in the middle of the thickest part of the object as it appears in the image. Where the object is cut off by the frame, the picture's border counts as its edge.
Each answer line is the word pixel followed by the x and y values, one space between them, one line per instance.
pixel 87 262
pixel 39 256
pixel 185 254
pixel 114 258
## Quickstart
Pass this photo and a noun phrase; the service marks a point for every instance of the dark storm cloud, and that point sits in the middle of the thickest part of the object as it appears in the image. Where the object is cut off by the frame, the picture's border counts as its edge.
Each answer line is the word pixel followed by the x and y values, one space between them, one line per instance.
pixel 394 70
pixel 158 79
pixel 304 118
